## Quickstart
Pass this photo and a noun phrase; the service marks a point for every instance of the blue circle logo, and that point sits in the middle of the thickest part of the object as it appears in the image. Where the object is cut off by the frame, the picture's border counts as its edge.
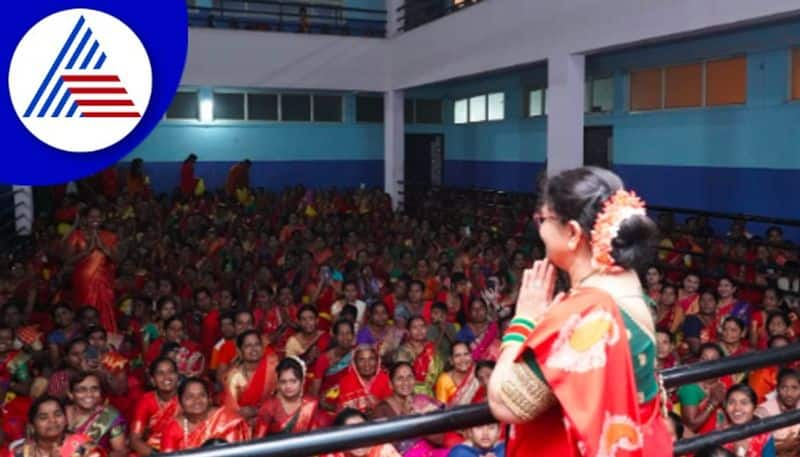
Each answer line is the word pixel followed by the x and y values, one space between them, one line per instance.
pixel 87 83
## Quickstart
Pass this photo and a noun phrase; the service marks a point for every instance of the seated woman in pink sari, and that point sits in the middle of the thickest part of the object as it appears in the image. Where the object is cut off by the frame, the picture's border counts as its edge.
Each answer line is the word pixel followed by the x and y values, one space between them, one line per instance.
pixel 481 334
pixel 365 384
pixel 289 411
pixel 404 402
pixel 89 415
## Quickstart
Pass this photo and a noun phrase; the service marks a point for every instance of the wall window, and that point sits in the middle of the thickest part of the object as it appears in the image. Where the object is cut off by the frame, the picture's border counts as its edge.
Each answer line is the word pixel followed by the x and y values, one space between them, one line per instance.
pixel 296 107
pixel 709 83
pixel 600 95
pixel 496 106
pixel 427 111
pixel 262 107
pixel 795 89
pixel 683 86
pixel 460 110
pixel 228 105
pixel 327 108
pixel 647 89
pixel 185 105
pixel 726 81
pixel 477 108
pixel 536 105
pixel 369 109
pixel 480 108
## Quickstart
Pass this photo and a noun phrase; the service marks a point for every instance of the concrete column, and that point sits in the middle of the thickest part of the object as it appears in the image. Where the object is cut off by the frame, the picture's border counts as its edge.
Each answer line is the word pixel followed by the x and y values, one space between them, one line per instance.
pixel 393 144
pixel 565 111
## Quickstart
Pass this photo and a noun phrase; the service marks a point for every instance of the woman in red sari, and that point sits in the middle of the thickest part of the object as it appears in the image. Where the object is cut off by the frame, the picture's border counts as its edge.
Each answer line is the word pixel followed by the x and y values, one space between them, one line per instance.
pixel 93 252
pixel 252 382
pixel 199 421
pixel 568 377
pixel 422 355
pixel 365 384
pixel 156 409
pixel 189 353
pixel 688 295
pixel 289 411
pixel 188 180
pixel 350 416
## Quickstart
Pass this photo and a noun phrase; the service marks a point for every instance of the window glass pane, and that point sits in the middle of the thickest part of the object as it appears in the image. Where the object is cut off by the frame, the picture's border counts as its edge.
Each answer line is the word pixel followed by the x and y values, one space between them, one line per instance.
pixel 369 109
pixel 295 107
pixel 327 108
pixel 646 89
pixel 497 107
pixel 535 103
pixel 477 108
pixel 460 111
pixel 726 82
pixel 684 86
pixel 184 106
pixel 602 95
pixel 262 107
pixel 228 106
pixel 428 111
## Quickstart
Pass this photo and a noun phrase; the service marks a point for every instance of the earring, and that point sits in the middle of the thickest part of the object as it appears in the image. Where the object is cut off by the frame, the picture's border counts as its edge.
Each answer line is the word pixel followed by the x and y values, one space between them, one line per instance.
pixel 29 431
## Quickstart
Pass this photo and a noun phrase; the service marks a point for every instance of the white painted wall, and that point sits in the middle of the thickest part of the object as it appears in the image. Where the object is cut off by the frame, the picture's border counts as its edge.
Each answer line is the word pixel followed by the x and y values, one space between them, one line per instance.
pixel 491 35
pixel 240 58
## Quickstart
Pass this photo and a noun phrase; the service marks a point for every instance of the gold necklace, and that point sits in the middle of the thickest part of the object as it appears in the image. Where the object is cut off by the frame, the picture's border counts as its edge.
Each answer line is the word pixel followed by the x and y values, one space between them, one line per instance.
pixel 582 280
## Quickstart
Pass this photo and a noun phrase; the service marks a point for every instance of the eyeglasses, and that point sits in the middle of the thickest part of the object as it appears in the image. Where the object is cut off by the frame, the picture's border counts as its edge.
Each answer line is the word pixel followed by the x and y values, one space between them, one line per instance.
pixel 539 219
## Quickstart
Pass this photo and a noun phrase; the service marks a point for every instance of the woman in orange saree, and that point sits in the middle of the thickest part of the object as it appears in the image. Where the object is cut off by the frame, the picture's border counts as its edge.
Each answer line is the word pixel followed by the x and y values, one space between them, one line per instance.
pixel 289 411
pixel 199 421
pixel 156 409
pixel 576 376
pixel 93 252
pixel 250 383
pixel 365 384
pixel 460 385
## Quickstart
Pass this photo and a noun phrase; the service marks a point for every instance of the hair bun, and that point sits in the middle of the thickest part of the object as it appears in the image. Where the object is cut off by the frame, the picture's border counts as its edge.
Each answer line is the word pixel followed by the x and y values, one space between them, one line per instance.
pixel 634 247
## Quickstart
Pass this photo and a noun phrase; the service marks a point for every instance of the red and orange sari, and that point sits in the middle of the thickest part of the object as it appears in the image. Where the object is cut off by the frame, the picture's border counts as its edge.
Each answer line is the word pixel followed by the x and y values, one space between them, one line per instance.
pixel 93 278
pixel 273 419
pixel 361 394
pixel 241 391
pixel 151 418
pixel 583 353
pixel 221 423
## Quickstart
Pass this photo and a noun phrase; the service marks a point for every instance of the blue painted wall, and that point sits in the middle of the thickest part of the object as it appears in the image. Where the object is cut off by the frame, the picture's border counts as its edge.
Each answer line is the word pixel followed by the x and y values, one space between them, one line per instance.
pixel 345 154
pixel 737 158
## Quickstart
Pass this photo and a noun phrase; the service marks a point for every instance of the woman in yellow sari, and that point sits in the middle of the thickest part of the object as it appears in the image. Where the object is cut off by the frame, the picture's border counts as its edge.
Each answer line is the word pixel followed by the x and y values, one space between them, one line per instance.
pixel 459 385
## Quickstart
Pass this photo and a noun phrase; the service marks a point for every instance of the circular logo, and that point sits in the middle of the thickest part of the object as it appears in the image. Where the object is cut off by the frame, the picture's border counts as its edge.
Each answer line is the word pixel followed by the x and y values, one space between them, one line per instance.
pixel 80 80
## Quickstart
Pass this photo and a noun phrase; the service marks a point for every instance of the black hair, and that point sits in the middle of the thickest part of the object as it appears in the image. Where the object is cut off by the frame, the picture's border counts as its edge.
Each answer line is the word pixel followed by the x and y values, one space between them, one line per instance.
pixel 154 366
pixel 168 347
pixel 417 282
pixel 745 389
pixel 214 442
pixel 307 308
pixel 173 319
pixel 667 332
pixel 579 195
pixel 341 322
pixel 240 339
pixel 677 424
pixel 346 414
pixel 740 323
pixel 185 384
pixel 37 403
pixel 713 346
pixel 480 364
pixel 787 373
pixel 290 364
pixel 776 314
pixel 414 319
pixel 714 451
pixel 349 310
pixel 92 330
pixel 79 377
pixel 190 157
pixel 397 366
pixel 440 306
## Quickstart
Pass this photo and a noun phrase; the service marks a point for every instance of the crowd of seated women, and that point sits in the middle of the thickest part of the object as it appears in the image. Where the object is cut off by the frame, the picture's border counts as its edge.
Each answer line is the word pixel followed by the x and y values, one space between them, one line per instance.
pixel 143 324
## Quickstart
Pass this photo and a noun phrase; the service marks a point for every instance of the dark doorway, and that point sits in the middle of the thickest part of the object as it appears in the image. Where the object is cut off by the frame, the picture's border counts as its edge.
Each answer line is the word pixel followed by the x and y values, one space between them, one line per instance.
pixel 598 146
pixel 423 166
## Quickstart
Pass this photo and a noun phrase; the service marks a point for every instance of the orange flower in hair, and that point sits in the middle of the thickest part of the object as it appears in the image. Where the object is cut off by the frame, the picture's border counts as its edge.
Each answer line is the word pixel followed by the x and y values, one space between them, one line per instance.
pixel 620 206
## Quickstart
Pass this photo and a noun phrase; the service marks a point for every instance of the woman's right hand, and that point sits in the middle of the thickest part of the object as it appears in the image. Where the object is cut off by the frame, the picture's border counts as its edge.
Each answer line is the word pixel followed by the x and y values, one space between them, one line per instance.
pixel 717 393
pixel 536 291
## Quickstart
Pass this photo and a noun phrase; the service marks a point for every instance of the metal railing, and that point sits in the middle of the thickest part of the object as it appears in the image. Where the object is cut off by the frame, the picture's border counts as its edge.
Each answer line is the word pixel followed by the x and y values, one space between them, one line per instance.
pixel 459 418
pixel 414 13
pixel 287 16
